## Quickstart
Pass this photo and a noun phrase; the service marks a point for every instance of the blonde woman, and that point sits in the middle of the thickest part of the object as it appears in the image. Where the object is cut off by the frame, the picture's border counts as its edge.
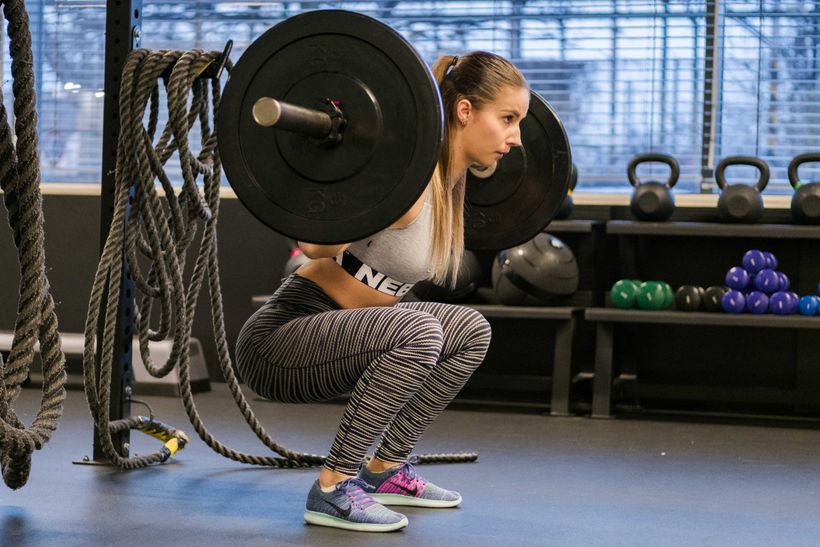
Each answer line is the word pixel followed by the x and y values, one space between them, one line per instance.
pixel 337 324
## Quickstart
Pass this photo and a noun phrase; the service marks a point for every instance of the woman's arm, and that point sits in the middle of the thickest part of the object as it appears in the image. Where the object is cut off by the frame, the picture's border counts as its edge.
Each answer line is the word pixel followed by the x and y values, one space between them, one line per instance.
pixel 313 250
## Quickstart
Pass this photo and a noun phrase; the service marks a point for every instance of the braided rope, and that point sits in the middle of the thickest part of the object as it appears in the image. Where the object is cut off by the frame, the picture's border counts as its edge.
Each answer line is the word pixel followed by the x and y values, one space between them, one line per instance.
pixel 36 318
pixel 162 230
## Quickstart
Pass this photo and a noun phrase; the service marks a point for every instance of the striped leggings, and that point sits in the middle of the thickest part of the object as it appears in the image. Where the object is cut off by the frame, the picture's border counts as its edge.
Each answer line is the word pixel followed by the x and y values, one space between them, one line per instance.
pixel 403 364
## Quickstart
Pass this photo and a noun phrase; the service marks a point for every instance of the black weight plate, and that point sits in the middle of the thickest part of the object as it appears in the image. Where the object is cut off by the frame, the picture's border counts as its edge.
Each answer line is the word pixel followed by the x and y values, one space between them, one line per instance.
pixel 529 184
pixel 332 194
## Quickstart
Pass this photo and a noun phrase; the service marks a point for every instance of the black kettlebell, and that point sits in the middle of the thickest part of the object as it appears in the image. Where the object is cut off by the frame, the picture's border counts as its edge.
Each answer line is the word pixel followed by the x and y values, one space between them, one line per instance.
pixel 741 202
pixel 652 200
pixel 806 197
pixel 566 206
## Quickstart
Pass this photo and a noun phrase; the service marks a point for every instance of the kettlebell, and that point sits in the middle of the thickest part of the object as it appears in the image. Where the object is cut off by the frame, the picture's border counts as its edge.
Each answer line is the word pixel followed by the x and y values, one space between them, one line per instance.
pixel 652 200
pixel 741 202
pixel 566 206
pixel 806 197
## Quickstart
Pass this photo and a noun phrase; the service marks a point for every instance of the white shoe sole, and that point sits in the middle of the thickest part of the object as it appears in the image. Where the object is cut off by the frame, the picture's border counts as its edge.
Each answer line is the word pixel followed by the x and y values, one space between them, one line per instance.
pixel 400 499
pixel 321 519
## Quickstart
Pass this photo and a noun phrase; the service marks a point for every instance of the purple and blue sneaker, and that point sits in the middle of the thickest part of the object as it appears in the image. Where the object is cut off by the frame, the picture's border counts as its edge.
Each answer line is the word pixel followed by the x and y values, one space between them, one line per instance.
pixel 349 507
pixel 404 486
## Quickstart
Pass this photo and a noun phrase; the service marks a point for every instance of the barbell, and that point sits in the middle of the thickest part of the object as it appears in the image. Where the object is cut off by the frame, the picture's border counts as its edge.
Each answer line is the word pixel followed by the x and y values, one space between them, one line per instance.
pixel 330 128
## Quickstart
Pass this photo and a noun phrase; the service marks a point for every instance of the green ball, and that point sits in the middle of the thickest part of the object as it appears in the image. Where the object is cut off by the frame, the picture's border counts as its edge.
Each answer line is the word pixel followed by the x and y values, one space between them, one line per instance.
pixel 670 295
pixel 623 294
pixel 651 296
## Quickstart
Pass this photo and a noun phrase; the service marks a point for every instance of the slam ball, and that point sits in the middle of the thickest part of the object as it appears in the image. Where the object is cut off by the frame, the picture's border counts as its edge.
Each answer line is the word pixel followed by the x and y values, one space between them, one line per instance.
pixel 540 271
pixel 467 281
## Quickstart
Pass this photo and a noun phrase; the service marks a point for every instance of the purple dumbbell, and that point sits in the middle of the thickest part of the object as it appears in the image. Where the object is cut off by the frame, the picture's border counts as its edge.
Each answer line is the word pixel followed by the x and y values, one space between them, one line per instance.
pixel 733 301
pixel 782 303
pixel 784 281
pixel 771 260
pixel 757 302
pixel 737 278
pixel 754 261
pixel 767 281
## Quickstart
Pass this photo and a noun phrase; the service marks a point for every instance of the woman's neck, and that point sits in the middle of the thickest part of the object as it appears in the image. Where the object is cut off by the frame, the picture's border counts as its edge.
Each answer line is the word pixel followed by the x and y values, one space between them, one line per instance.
pixel 459 163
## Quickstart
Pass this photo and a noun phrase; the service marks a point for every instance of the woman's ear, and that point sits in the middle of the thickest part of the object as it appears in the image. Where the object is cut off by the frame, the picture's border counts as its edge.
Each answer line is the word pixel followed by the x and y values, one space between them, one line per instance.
pixel 463 110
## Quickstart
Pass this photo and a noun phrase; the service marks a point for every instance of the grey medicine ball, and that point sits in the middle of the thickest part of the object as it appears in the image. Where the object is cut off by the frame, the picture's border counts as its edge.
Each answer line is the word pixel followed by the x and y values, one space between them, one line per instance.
pixel 541 271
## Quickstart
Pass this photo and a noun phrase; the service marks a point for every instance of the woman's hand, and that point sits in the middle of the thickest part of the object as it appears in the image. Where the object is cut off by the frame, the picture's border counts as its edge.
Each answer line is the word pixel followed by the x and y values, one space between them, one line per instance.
pixel 314 250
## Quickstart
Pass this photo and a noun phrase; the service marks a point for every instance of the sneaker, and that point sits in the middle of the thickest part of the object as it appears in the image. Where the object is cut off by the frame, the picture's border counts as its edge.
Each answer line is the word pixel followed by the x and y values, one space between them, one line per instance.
pixel 349 507
pixel 404 486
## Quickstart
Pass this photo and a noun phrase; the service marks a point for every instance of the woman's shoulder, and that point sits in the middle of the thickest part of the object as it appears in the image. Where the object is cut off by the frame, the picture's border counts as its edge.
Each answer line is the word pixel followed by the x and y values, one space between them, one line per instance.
pixel 413 213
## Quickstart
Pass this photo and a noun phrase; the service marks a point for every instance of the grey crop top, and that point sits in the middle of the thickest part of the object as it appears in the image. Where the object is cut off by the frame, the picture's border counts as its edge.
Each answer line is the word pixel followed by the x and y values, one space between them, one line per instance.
pixel 392 260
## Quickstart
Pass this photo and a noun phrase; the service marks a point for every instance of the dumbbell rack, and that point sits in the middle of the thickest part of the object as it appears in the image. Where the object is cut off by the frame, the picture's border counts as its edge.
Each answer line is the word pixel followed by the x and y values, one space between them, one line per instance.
pixel 646 251
pixel 607 318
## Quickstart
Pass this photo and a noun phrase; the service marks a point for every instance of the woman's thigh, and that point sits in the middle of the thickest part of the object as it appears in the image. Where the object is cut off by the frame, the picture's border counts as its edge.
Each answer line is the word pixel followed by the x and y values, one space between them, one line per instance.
pixel 322 355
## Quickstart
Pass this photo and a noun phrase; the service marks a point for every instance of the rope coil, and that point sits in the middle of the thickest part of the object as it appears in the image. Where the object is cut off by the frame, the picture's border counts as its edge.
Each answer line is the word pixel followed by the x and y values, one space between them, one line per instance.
pixel 36 318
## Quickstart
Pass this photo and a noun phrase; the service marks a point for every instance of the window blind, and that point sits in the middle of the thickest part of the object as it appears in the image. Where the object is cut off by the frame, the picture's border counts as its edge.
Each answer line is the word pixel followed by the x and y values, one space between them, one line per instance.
pixel 626 76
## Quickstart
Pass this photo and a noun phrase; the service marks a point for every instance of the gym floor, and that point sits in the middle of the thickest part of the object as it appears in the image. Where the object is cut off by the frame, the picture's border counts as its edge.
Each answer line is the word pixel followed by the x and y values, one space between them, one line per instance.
pixel 539 481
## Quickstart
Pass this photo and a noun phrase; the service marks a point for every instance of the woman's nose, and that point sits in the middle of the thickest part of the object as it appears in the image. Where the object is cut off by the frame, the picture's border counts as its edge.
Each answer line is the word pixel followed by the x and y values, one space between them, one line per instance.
pixel 515 138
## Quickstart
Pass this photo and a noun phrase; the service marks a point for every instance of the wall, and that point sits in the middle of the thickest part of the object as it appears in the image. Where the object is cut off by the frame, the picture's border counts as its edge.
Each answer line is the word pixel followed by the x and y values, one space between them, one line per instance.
pixel 251 259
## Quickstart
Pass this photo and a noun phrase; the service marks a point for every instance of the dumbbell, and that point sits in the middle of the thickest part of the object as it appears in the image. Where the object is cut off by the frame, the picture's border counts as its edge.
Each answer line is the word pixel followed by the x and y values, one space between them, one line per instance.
pixel 688 297
pixel 757 302
pixel 653 296
pixel 712 297
pixel 733 301
pixel 808 305
pixel 624 293
pixel 783 303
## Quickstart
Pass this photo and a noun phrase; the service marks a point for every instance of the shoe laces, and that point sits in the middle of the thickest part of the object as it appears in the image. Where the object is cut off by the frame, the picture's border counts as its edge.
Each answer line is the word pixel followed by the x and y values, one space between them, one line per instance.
pixel 410 474
pixel 354 490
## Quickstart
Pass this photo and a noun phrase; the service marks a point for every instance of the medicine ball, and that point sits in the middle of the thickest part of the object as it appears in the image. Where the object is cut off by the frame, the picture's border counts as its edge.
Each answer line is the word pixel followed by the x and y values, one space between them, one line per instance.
pixel 297 258
pixel 467 282
pixel 540 271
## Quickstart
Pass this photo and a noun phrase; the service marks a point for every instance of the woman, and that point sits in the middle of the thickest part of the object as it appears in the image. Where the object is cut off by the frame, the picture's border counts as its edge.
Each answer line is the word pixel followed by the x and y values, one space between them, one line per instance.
pixel 336 325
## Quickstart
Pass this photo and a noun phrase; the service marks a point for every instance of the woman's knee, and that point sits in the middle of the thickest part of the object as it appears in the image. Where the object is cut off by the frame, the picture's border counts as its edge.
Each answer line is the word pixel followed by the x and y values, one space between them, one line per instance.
pixel 420 333
pixel 475 330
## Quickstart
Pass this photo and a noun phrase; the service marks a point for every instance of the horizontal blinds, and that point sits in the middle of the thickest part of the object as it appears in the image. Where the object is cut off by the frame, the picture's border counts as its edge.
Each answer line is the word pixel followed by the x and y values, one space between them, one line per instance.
pixel 770 101
pixel 626 76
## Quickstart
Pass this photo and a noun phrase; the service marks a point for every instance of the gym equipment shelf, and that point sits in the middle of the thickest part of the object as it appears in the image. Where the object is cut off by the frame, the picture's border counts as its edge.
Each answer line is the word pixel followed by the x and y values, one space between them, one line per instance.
pixel 712 229
pixel 605 319
pixel 572 226
pixel 672 317
pixel 567 318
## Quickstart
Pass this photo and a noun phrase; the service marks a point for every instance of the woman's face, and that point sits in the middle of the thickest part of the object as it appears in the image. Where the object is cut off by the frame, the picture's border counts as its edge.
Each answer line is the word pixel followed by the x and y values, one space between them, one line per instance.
pixel 493 130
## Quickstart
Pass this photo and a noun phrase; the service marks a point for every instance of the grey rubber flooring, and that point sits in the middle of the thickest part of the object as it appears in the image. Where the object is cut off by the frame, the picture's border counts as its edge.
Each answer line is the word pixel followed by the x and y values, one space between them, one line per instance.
pixel 538 481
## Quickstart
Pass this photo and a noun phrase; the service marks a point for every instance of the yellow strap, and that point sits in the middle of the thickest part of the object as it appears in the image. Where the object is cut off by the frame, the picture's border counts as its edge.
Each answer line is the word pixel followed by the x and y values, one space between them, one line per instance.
pixel 209 63
pixel 172 446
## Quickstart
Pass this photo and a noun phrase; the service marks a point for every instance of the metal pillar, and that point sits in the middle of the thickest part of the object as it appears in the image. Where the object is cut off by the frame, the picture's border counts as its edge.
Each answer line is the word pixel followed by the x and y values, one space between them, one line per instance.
pixel 122 34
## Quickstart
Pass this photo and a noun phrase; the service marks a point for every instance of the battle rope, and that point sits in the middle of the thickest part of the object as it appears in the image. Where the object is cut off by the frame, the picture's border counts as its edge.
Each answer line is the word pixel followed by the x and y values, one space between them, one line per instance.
pixel 36 319
pixel 162 234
